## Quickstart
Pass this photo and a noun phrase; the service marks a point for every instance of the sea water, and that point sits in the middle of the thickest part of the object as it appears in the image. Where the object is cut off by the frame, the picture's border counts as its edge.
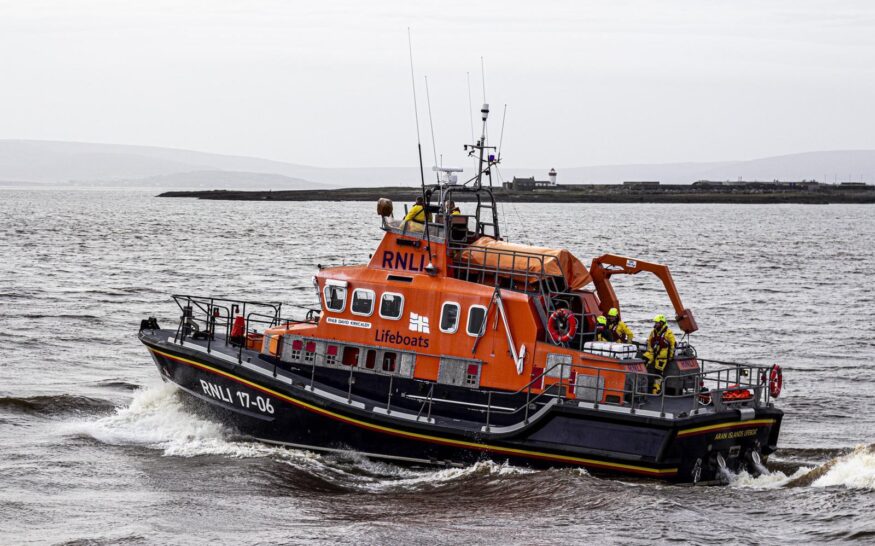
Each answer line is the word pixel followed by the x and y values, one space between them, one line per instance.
pixel 95 449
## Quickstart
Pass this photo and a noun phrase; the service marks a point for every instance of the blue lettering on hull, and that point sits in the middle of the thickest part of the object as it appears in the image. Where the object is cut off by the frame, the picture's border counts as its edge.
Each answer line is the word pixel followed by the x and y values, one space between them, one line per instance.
pixel 403 260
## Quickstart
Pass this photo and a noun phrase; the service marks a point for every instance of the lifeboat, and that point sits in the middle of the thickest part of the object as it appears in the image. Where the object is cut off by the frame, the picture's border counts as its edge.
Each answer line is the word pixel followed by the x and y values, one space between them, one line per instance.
pixel 453 345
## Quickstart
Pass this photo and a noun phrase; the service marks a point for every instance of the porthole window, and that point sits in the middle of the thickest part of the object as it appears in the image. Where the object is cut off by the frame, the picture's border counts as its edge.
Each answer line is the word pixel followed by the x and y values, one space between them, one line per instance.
pixel 391 306
pixel 476 320
pixel 450 317
pixel 363 302
pixel 335 296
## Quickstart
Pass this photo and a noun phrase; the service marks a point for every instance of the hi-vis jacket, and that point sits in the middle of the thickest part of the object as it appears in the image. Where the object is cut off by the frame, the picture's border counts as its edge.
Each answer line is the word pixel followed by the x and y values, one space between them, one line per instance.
pixel 416 213
pixel 660 347
pixel 619 332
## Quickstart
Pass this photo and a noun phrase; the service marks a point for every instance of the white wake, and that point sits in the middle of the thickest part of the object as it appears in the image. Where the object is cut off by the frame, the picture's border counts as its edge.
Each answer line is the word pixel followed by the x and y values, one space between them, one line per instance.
pixel 855 470
pixel 157 419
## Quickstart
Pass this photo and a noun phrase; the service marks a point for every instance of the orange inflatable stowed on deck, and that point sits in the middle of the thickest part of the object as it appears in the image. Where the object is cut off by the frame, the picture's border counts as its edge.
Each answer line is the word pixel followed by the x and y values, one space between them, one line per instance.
pixel 513 257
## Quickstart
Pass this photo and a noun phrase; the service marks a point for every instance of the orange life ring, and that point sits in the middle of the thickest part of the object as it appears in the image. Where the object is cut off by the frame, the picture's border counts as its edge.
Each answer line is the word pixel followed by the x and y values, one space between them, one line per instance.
pixel 562 325
pixel 776 381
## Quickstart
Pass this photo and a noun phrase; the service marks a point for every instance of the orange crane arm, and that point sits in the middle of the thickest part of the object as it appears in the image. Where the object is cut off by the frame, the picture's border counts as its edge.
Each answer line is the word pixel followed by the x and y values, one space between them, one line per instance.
pixel 610 264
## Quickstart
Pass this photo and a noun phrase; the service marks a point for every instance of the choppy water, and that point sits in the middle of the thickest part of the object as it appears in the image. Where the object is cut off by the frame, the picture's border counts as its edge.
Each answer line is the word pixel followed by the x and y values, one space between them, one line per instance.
pixel 94 449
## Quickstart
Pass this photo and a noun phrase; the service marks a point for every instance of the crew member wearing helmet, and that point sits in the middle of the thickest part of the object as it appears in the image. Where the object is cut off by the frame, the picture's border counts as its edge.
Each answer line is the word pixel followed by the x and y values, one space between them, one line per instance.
pixel 602 332
pixel 617 329
pixel 660 349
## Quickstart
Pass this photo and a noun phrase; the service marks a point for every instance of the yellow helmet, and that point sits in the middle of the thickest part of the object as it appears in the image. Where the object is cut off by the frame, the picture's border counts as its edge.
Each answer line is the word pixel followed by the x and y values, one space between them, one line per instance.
pixel 601 320
pixel 659 318
pixel 613 312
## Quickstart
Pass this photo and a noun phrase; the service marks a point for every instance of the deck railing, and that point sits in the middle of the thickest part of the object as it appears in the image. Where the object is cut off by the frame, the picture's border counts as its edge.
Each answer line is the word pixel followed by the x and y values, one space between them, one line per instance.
pixel 708 389
pixel 693 391
pixel 472 263
pixel 202 317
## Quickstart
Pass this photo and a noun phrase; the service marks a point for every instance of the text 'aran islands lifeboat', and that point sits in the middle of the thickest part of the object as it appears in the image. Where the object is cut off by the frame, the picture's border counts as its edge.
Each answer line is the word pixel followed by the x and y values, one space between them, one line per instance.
pixel 453 345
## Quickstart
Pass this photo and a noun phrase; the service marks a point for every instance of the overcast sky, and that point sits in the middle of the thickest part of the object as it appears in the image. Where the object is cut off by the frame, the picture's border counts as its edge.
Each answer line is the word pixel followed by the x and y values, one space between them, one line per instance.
pixel 328 83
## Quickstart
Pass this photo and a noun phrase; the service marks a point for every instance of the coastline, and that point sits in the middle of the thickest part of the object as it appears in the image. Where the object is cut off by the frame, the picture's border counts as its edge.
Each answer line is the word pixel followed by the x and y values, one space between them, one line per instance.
pixel 596 194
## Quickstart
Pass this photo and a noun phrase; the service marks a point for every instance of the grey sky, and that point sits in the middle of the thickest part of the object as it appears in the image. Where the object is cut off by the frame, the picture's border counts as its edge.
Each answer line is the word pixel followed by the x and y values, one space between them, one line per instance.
pixel 328 83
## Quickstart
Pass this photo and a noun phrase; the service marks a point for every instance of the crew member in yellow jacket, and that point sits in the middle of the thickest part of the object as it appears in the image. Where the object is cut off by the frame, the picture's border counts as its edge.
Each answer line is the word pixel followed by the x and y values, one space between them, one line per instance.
pixel 416 212
pixel 618 330
pixel 660 349
pixel 601 329
pixel 415 217
pixel 612 329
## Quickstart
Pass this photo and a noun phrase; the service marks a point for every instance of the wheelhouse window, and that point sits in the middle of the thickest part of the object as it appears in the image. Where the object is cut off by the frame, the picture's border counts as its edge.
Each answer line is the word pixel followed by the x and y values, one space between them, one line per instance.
pixel 450 317
pixel 476 320
pixel 391 306
pixel 335 295
pixel 363 302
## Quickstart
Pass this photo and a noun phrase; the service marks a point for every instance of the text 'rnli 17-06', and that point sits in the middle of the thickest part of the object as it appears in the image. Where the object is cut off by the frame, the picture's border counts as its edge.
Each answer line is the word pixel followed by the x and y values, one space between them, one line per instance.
pixel 453 345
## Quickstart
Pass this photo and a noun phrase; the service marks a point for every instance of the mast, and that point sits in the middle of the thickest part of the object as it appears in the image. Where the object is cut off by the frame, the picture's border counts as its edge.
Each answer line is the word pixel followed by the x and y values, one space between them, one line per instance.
pixel 486 158
pixel 484 113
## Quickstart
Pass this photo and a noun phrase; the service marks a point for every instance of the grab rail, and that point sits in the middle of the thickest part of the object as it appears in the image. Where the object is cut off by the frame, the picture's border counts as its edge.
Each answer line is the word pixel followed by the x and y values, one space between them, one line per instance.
pixel 636 398
pixel 712 378
pixel 634 392
pixel 220 312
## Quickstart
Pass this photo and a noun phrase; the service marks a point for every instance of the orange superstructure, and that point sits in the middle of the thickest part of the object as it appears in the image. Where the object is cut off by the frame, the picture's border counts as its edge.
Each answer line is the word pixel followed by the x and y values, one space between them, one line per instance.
pixel 424 299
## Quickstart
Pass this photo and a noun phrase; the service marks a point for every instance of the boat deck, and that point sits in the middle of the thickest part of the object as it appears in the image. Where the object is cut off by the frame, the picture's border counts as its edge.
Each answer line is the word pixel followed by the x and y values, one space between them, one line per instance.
pixel 500 411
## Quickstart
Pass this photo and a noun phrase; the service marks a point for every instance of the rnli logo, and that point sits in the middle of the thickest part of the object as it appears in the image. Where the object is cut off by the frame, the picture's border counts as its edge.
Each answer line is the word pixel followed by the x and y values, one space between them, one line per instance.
pixel 407 261
pixel 419 323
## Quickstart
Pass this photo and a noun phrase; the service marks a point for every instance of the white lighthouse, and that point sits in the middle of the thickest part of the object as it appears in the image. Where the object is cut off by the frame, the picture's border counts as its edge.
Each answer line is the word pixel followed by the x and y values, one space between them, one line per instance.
pixel 552 177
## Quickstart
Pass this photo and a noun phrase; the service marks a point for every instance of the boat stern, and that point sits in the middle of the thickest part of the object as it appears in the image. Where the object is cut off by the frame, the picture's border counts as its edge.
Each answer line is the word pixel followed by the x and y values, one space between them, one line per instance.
pixel 714 449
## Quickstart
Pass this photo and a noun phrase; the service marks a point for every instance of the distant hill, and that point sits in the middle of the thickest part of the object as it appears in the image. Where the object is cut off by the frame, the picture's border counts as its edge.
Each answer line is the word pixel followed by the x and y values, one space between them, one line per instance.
pixel 25 162
pixel 112 164
pixel 843 165
pixel 227 179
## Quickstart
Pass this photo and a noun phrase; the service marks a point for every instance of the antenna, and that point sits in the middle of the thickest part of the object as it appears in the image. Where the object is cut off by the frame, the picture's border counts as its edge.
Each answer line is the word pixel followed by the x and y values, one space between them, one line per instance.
pixel 416 112
pixel 419 149
pixel 470 106
pixel 483 76
pixel 431 124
